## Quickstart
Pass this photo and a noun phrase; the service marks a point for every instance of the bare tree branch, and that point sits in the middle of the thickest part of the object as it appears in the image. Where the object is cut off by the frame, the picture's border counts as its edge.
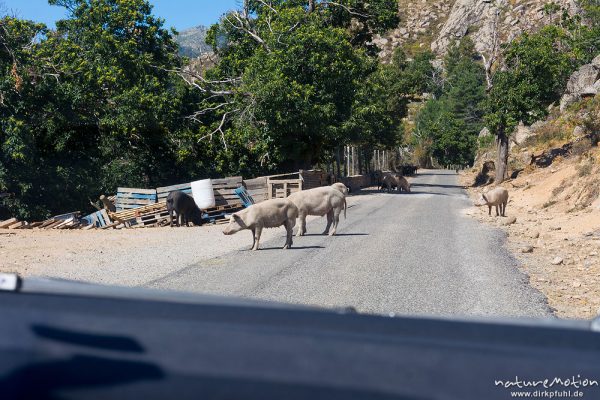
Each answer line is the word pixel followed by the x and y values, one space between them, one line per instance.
pixel 220 129
pixel 243 24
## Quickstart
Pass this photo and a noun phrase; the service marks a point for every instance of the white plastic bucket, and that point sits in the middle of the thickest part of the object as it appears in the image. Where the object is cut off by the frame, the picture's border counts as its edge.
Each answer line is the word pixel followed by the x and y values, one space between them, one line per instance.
pixel 203 193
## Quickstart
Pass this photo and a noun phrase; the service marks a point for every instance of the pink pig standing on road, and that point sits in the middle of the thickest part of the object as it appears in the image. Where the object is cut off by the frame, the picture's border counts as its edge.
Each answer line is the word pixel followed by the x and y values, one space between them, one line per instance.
pixel 267 214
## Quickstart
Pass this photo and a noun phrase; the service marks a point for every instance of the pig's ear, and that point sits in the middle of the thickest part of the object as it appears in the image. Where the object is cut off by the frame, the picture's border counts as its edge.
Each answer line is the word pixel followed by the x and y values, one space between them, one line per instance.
pixel 235 216
pixel 483 195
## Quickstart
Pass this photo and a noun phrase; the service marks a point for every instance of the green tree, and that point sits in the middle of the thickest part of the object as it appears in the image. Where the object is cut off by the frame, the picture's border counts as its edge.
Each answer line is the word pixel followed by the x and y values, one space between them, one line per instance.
pixel 536 69
pixel 98 107
pixel 289 75
pixel 18 155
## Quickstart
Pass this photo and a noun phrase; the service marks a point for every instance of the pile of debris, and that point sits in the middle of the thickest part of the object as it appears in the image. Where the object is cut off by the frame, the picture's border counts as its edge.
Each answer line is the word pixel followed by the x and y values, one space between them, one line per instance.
pixel 65 221
pixel 144 208
pixel 140 208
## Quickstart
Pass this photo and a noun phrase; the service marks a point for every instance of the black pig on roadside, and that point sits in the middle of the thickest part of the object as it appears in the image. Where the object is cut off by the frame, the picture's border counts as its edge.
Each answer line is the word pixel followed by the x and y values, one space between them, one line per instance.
pixel 185 207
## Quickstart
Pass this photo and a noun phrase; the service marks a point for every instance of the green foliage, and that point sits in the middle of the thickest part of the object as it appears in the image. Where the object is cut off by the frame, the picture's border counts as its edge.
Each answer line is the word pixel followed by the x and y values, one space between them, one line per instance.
pixel 537 69
pixel 96 107
pixel 95 104
pixel 300 82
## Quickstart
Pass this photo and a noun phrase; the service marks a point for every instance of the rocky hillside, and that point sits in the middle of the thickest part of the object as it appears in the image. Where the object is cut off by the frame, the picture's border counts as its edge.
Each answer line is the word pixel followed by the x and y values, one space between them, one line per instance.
pixel 438 23
pixel 192 42
pixel 553 217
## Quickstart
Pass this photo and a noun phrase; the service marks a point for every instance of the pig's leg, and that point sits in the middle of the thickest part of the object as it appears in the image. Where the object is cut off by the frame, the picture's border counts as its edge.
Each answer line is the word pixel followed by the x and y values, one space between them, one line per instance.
pixel 504 209
pixel 490 210
pixel 329 221
pixel 258 232
pixel 336 220
pixel 171 217
pixel 253 238
pixel 289 228
pixel 302 224
pixel 497 214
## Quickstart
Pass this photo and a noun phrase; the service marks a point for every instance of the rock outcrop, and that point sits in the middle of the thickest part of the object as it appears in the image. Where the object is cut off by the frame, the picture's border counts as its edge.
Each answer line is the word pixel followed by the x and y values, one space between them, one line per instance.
pixel 491 22
pixel 440 23
pixel 584 82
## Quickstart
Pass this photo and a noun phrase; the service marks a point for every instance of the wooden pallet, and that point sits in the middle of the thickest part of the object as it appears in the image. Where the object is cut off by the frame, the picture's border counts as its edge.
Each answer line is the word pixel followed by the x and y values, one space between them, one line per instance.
pixel 229 208
pixel 131 198
pixel 213 215
pixel 225 190
pixel 129 215
pixel 155 218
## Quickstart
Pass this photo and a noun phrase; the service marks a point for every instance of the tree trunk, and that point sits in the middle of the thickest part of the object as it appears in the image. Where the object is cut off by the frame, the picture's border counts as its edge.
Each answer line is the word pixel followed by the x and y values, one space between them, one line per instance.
pixel 502 159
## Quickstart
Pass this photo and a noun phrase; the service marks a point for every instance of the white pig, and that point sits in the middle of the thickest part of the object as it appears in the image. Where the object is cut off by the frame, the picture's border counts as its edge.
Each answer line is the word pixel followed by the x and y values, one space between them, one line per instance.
pixel 344 190
pixel 319 201
pixel 341 187
pixel 267 214
pixel 497 197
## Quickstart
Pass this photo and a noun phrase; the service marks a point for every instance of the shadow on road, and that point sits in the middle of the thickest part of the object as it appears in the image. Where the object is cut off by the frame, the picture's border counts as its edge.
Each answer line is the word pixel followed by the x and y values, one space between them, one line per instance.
pixel 435 173
pixel 338 234
pixel 437 185
pixel 294 247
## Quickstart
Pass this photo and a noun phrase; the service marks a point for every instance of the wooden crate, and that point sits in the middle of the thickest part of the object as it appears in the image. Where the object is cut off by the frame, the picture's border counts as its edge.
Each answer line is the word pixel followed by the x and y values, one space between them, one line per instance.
pixel 129 198
pixel 282 188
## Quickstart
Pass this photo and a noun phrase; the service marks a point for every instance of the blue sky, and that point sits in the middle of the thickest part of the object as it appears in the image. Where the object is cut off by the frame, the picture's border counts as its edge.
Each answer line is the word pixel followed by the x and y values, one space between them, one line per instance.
pixel 180 14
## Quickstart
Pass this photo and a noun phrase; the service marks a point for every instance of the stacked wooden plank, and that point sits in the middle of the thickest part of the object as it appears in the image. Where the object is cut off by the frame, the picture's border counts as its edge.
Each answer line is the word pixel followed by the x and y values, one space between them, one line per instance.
pixel 130 198
pixel 149 215
pixel 11 223
pixel 65 221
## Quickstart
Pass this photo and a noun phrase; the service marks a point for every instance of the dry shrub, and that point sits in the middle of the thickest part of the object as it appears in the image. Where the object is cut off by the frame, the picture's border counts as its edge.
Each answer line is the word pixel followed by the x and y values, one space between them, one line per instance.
pixel 588 193
pixel 581 146
pixel 585 168
pixel 547 135
pixel 561 188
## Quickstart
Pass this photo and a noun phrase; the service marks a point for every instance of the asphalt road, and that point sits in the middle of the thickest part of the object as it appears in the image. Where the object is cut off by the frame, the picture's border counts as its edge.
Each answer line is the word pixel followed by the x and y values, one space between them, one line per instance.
pixel 395 253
